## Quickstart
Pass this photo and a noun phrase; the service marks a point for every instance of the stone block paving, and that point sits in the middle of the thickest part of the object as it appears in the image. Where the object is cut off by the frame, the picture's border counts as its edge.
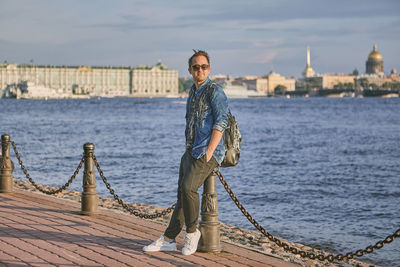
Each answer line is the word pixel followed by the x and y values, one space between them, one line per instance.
pixel 41 230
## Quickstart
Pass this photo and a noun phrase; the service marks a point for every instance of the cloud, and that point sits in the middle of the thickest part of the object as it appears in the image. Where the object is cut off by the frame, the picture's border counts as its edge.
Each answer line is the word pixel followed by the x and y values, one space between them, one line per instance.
pixel 242 36
pixel 265 57
pixel 261 11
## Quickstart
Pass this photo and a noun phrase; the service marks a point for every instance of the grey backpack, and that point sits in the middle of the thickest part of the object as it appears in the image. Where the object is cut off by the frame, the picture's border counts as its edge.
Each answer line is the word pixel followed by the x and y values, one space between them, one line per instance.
pixel 233 142
pixel 232 139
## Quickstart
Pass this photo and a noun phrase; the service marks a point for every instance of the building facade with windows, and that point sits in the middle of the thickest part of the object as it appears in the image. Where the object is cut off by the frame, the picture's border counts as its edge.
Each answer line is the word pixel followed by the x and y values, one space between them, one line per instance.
pixel 274 80
pixel 157 80
pixel 331 81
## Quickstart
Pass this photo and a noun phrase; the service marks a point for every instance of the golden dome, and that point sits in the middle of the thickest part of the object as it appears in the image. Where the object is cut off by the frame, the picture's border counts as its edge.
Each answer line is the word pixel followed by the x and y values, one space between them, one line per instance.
pixel 375 55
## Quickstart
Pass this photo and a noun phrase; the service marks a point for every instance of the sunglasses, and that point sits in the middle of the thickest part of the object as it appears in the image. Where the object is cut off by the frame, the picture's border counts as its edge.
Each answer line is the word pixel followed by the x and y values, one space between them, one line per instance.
pixel 197 67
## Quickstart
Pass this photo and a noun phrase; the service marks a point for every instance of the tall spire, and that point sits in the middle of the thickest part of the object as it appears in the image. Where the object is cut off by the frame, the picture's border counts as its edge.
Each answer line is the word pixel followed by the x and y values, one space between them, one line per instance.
pixel 308 71
pixel 308 57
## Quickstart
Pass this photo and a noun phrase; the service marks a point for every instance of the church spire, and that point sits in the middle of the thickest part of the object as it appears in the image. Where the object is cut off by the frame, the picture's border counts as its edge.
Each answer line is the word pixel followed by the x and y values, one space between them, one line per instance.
pixel 308 71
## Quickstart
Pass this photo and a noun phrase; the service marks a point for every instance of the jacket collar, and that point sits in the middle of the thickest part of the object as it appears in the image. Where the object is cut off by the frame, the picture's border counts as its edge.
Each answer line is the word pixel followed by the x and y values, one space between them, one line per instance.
pixel 203 85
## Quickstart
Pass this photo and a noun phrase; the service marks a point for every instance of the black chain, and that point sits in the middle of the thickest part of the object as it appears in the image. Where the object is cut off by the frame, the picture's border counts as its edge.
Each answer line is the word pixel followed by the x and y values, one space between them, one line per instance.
pixel 304 254
pixel 48 192
pixel 285 246
pixel 125 206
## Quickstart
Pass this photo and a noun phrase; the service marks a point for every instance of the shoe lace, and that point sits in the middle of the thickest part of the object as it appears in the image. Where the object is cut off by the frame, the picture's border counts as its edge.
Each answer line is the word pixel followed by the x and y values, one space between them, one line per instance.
pixel 158 242
pixel 188 241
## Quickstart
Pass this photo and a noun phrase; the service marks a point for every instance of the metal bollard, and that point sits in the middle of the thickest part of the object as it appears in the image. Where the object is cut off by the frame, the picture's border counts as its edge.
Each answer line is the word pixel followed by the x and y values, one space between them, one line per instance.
pixel 90 198
pixel 6 178
pixel 209 225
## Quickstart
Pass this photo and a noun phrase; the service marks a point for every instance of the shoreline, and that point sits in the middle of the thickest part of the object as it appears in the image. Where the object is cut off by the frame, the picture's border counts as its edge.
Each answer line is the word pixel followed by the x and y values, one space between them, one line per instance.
pixel 252 239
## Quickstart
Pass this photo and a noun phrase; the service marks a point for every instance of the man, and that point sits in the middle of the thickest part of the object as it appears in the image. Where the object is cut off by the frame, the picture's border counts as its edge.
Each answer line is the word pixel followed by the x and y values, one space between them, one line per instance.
pixel 206 119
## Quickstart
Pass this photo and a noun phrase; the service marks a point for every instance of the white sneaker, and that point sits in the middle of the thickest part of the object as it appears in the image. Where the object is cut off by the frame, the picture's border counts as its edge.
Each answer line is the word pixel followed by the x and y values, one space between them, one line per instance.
pixel 191 242
pixel 161 245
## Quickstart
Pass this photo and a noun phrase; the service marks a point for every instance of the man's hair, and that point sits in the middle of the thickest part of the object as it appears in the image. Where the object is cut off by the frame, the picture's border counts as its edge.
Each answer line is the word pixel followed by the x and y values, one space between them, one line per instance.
pixel 198 53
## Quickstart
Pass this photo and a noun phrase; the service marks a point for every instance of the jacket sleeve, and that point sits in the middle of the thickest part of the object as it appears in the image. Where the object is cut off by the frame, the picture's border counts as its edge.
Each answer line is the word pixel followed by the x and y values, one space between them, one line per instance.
pixel 220 109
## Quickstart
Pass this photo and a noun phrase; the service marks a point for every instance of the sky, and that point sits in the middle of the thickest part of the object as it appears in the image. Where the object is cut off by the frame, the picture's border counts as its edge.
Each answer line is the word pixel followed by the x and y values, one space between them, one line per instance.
pixel 252 37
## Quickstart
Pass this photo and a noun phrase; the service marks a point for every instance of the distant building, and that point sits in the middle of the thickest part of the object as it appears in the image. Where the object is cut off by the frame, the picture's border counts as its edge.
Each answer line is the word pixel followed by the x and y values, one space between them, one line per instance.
pixel 330 81
pixel 394 76
pixel 274 80
pixel 156 80
pixel 374 64
pixel 374 77
pixel 255 83
pixel 267 84
pixel 375 81
pixel 312 80
pixel 84 80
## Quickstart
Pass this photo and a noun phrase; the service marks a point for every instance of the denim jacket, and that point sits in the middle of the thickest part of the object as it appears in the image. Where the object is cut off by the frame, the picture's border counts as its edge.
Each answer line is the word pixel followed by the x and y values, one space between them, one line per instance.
pixel 203 114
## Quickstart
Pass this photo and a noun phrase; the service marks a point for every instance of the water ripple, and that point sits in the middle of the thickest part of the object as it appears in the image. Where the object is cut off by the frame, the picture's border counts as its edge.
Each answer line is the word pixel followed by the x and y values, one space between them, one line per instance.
pixel 318 171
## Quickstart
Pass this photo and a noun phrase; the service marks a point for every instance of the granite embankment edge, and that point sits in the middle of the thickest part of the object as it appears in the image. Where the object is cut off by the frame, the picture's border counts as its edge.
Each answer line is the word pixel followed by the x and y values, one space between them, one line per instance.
pixel 250 239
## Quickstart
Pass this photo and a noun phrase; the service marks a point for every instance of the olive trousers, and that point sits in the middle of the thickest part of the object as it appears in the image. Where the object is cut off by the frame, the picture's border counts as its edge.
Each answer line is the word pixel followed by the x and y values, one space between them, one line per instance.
pixel 192 174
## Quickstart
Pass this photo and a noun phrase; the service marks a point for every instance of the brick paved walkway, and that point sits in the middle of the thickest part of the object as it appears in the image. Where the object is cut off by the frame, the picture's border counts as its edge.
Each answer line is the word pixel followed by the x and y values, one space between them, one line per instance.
pixel 41 230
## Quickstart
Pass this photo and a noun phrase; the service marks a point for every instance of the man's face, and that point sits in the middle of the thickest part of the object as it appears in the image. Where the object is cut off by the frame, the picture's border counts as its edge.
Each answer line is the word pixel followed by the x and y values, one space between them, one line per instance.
pixel 200 69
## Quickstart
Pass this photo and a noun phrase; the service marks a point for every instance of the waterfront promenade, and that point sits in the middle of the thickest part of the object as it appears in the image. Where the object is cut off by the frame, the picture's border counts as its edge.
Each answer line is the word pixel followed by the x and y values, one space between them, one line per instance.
pixel 41 230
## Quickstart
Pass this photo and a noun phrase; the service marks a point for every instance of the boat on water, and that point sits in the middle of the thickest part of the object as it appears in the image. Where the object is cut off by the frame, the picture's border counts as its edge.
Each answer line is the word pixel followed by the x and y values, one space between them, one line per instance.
pixel 239 90
pixel 29 90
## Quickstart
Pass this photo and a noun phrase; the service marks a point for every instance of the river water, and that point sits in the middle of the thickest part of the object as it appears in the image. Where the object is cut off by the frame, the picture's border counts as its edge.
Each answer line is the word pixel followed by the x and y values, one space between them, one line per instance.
pixel 319 171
